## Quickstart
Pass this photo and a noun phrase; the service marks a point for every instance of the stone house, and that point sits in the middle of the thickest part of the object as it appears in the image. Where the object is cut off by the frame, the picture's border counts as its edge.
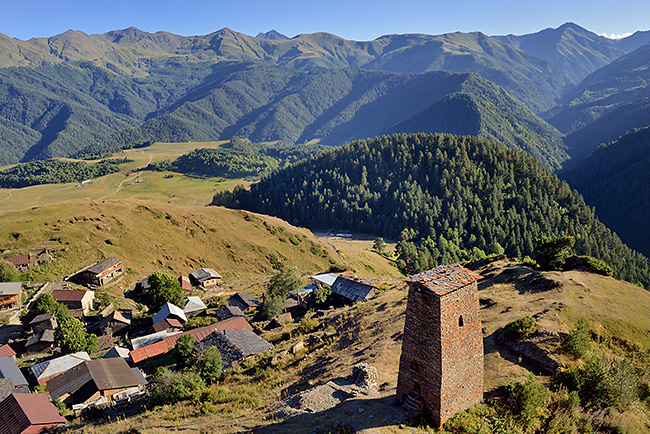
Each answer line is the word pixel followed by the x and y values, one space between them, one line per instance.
pixel 116 323
pixel 441 365
pixel 40 342
pixel 244 301
pixel 194 306
pixel 9 369
pixel 102 272
pixel 45 321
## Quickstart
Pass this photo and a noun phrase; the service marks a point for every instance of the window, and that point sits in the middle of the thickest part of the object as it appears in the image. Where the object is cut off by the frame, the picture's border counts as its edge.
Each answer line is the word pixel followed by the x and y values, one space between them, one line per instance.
pixel 415 366
pixel 460 321
pixel 416 387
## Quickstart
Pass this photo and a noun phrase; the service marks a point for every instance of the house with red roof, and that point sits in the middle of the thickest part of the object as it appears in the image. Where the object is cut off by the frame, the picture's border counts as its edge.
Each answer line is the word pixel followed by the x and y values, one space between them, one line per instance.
pixel 83 300
pixel 28 413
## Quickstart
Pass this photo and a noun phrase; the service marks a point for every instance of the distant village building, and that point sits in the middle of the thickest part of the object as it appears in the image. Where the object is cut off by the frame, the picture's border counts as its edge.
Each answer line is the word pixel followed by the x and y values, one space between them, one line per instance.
pixel 186 285
pixel 117 322
pixel 103 272
pixel 10 293
pixel 441 365
pixel 96 382
pixel 244 301
pixel 116 351
pixel 40 342
pixel 324 279
pixel 228 312
pixel 205 277
pixel 234 344
pixel 169 317
pixel 73 300
pixel 194 306
pixel 33 413
pixel 21 262
pixel 352 290
pixel 46 321
pixel 51 368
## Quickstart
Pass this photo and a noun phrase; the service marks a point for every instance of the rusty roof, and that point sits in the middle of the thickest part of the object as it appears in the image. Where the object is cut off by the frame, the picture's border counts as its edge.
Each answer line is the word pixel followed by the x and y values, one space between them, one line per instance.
pixel 166 324
pixel 18 260
pixel 7 351
pixel 68 295
pixel 19 411
pixel 445 278
pixel 104 265
pixel 107 374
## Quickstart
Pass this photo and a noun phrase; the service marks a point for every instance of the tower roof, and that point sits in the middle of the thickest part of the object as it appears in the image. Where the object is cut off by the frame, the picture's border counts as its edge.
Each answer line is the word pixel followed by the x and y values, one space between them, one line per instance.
pixel 445 278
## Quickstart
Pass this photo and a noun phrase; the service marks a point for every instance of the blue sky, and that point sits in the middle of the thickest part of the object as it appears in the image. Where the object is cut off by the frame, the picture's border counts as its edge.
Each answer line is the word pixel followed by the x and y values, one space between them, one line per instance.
pixel 356 20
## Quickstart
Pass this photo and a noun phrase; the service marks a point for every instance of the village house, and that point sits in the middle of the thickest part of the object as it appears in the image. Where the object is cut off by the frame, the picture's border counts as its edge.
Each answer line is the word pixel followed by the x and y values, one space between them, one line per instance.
pixel 83 300
pixel 244 301
pixel 33 413
pixel 21 262
pixel 40 342
pixel 115 323
pixel 103 272
pixel 228 312
pixel 205 277
pixel 46 321
pixel 10 293
pixel 166 344
pixel 51 368
pixel 194 306
pixel 352 290
pixel 116 351
pixel 186 285
pixel 234 345
pixel 169 317
pixel 9 369
pixel 96 382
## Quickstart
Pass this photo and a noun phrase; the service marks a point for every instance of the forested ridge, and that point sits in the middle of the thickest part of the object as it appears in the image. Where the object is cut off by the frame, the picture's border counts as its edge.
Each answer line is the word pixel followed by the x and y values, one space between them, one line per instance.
pixel 56 172
pixel 455 198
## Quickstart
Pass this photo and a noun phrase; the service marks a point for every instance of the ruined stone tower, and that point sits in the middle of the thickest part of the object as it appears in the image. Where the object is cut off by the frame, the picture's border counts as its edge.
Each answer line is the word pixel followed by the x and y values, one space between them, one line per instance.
pixel 441 366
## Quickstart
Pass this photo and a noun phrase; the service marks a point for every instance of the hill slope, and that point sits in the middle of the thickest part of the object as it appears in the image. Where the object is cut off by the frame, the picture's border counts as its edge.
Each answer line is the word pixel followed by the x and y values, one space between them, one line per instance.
pixel 615 180
pixel 458 197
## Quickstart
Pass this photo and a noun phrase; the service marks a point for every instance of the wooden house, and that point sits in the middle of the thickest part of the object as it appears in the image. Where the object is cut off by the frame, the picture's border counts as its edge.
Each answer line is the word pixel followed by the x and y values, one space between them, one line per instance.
pixel 228 312
pixel 48 369
pixel 96 381
pixel 205 277
pixel 103 272
pixel 83 300
pixel 21 262
pixel 40 342
pixel 169 317
pixel 10 293
pixel 352 290
pixel 28 413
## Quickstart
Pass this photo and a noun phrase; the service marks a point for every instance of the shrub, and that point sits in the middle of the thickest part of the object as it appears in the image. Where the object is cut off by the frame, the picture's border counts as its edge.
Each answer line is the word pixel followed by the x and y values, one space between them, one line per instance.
pixel 520 328
pixel 580 339
pixel 531 398
pixel 322 294
pixel 169 387
pixel 552 252
pixel 308 325
pixel 209 365
pixel 530 262
pixel 597 265
pixel 185 345
pixel 272 306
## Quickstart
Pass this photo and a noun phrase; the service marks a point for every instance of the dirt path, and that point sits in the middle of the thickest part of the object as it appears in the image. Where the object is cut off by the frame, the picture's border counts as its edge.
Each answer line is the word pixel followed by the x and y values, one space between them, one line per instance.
pixel 7 198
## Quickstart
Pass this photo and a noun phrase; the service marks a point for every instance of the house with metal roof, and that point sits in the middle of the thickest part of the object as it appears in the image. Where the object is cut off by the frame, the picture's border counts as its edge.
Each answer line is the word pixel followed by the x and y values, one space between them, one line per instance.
pixel 169 316
pixel 33 413
pixel 194 306
pixel 244 301
pixel 10 293
pixel 352 290
pixel 9 369
pixel 51 368
pixel 103 272
pixel 95 381
pixel 117 352
pixel 205 277
pixel 324 279
pixel 73 299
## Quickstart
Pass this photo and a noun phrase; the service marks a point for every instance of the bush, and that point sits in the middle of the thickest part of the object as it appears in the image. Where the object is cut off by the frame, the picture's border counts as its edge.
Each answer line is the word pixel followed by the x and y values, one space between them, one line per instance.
pixel 209 365
pixel 169 387
pixel 308 325
pixel 530 262
pixel 520 328
pixel 322 294
pixel 185 345
pixel 597 265
pixel 579 340
pixel 552 252
pixel 8 272
pixel 272 305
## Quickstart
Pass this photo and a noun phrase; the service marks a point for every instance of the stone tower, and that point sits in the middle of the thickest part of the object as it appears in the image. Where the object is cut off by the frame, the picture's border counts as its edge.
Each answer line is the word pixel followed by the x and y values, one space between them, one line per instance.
pixel 441 366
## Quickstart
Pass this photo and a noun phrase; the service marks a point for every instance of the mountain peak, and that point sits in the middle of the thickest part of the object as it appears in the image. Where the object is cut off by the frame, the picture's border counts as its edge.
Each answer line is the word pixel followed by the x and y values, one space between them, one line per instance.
pixel 272 35
pixel 126 36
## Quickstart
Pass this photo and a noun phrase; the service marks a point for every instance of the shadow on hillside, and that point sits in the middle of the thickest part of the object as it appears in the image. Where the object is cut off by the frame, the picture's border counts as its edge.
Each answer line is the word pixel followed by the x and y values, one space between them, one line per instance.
pixel 521 352
pixel 352 415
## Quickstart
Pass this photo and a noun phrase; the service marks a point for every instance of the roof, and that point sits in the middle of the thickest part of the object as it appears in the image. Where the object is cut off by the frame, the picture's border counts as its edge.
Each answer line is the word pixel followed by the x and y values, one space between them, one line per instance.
pixel 19 411
pixel 104 342
pixel 325 278
pixel 185 283
pixel 9 369
pixel 247 341
pixel 10 288
pixel 247 299
pixel 42 317
pixel 194 304
pixel 70 295
pixel 205 273
pixel 352 289
pixel 167 310
pixel 104 265
pixel 18 260
pixel 165 345
pixel 445 278
pixel 44 336
pixel 7 351
pixel 107 374
pixel 117 315
pixel 167 323
pixel 6 387
pixel 145 340
pixel 229 312
pixel 117 352
pixel 58 365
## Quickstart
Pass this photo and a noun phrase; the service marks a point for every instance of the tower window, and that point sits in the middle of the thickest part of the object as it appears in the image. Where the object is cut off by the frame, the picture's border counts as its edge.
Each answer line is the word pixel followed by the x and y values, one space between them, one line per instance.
pixel 415 366
pixel 460 321
pixel 416 387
